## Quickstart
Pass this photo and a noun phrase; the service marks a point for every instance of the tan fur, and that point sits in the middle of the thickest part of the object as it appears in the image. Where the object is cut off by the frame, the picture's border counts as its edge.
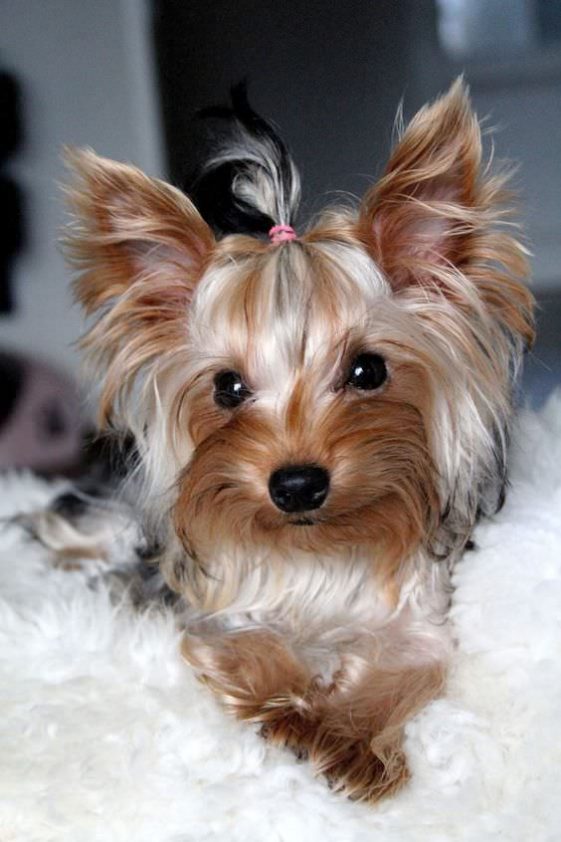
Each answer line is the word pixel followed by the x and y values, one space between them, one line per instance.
pixel 329 633
pixel 435 212
pixel 383 496
pixel 351 729
pixel 132 228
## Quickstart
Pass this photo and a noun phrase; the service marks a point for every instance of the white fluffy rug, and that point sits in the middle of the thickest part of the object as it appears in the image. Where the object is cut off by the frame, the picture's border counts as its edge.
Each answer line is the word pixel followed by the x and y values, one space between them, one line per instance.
pixel 105 735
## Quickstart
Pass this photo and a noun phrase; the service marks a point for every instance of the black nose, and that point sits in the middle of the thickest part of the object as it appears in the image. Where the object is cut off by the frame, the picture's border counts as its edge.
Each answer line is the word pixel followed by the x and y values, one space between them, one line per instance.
pixel 299 488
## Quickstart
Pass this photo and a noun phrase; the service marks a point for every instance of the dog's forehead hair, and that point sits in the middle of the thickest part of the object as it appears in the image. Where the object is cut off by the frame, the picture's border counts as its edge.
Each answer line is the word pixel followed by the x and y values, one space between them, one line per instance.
pixel 284 309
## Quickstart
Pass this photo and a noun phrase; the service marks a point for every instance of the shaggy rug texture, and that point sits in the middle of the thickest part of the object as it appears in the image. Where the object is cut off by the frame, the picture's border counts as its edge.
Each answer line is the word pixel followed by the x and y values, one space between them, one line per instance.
pixel 106 735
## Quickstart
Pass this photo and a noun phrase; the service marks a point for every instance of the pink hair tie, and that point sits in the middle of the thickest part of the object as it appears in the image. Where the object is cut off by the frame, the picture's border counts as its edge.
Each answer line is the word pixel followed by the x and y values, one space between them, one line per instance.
pixel 282 234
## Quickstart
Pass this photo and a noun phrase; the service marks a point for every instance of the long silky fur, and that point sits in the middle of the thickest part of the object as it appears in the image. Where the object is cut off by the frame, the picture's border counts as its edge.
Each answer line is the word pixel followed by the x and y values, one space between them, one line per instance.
pixel 249 183
pixel 330 634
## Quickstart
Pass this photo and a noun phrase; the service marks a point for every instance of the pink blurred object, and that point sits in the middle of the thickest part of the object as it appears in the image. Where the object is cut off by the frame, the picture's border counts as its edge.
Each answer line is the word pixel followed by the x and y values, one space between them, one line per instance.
pixel 40 419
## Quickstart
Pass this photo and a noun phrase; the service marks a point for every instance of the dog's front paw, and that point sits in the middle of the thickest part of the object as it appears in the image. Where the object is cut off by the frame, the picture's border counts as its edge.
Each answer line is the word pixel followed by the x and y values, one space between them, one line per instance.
pixel 361 766
pixel 364 769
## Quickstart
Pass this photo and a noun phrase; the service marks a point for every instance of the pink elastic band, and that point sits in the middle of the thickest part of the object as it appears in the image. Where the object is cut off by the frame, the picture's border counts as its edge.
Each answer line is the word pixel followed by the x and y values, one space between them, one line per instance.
pixel 282 233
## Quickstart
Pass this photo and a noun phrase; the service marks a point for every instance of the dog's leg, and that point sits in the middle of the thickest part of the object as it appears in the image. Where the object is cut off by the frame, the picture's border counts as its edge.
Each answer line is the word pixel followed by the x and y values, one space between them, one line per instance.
pixel 358 740
pixel 351 730
pixel 253 673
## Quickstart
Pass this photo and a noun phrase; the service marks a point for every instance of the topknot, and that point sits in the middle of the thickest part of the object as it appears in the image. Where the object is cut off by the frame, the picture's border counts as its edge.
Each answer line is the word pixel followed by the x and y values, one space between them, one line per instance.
pixel 249 183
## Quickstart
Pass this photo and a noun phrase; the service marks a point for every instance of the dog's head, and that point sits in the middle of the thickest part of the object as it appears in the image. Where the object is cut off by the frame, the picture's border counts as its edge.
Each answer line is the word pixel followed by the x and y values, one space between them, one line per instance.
pixel 345 388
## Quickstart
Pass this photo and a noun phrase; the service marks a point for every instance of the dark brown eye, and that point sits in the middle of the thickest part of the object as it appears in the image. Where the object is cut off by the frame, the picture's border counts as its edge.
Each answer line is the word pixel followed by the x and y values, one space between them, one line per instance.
pixel 367 372
pixel 229 389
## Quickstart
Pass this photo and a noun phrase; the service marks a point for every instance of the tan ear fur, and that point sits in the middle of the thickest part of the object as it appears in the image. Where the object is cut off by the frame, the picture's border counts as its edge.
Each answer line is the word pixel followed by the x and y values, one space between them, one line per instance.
pixel 437 217
pixel 141 247
pixel 125 223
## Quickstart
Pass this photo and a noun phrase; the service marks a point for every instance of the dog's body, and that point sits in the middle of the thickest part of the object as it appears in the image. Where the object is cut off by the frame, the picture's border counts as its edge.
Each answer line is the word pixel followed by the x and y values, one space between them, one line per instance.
pixel 320 418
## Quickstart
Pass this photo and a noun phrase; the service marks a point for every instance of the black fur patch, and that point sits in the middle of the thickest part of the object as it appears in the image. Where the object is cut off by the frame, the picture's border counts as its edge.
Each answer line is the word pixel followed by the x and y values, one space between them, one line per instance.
pixel 212 187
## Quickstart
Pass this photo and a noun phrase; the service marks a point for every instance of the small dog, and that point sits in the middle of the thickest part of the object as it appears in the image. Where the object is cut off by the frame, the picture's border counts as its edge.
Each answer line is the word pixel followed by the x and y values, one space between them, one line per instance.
pixel 321 415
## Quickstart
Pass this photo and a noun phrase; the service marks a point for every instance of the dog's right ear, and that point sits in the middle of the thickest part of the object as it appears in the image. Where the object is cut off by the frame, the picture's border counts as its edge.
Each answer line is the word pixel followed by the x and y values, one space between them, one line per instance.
pixel 141 247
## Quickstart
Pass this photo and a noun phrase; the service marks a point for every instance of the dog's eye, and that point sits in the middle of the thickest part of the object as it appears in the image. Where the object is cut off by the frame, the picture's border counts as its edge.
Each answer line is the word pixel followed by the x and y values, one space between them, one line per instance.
pixel 367 371
pixel 229 389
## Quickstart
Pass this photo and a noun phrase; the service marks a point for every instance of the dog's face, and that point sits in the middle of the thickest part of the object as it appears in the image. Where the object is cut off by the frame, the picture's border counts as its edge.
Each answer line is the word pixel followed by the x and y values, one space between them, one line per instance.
pixel 346 390
pixel 308 405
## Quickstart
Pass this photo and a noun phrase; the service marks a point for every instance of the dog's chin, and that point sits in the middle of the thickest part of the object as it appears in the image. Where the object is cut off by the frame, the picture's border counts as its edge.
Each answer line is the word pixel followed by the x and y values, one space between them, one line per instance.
pixel 302 521
pixel 277 524
pixel 318 532
pixel 380 526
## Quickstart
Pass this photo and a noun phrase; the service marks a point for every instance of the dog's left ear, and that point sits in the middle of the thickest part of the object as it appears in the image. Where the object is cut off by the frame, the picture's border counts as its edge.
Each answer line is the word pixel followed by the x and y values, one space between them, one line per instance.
pixel 434 218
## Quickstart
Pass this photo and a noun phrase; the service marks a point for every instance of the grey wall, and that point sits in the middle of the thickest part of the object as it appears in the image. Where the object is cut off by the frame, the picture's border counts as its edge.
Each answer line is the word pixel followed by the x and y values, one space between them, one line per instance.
pixel 85 73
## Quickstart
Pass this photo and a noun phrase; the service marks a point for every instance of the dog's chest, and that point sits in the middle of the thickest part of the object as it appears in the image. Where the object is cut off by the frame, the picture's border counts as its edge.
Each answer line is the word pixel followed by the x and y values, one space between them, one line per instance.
pixel 327 611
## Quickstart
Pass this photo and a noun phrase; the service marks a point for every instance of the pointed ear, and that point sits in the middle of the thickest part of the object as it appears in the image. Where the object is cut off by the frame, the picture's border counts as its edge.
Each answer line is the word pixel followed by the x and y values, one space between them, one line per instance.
pixel 141 247
pixel 434 218
pixel 128 227
pixel 415 216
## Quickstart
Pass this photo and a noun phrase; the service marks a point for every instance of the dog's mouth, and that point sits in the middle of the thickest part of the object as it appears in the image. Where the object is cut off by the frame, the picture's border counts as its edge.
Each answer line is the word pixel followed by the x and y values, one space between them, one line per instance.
pixel 302 521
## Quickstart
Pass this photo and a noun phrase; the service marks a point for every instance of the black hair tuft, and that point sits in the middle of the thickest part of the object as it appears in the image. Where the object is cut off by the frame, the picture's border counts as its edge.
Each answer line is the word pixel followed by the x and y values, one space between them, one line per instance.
pixel 249 183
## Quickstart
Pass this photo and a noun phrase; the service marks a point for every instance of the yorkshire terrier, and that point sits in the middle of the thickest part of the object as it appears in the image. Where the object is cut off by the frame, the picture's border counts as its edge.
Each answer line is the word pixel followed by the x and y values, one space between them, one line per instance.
pixel 320 414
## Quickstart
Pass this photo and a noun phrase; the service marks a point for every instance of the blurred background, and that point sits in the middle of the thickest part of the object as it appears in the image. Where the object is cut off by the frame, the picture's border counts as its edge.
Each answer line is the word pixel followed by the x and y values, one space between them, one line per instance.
pixel 126 77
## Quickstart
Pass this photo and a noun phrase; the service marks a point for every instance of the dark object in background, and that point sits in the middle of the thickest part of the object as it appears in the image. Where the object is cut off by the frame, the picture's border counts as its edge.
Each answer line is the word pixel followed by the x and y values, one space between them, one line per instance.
pixel 212 188
pixel 325 105
pixel 11 204
pixel 40 425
